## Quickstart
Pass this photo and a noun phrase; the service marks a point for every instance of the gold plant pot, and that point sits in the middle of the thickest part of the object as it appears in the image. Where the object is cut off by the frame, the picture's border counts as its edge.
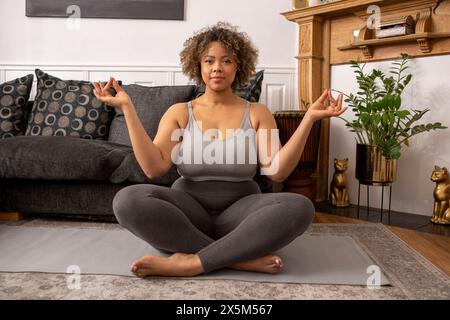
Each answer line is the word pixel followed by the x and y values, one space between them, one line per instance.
pixel 372 168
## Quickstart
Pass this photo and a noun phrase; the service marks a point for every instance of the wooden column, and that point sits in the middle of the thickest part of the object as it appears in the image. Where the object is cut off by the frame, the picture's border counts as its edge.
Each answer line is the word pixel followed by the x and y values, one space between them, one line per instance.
pixel 310 58
pixel 313 78
pixel 322 168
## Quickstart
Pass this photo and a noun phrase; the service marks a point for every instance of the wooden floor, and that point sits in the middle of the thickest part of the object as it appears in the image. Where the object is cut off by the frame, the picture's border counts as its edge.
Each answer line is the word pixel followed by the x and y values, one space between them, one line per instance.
pixel 433 247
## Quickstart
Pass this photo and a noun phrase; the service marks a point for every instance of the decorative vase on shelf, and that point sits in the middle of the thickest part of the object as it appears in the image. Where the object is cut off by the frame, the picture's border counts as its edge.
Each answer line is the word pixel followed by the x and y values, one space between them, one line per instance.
pixel 313 3
pixel 299 4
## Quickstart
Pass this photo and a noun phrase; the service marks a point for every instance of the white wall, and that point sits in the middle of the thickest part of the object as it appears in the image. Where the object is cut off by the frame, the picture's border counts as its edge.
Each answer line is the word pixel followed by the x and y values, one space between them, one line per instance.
pixel 429 88
pixel 102 46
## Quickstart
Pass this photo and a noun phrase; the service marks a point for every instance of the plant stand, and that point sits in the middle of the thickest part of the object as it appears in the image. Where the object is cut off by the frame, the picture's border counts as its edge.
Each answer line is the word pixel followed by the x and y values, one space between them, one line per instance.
pixel 382 198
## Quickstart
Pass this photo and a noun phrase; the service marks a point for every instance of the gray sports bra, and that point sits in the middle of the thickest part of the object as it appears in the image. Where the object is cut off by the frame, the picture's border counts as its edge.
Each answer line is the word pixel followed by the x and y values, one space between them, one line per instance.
pixel 203 156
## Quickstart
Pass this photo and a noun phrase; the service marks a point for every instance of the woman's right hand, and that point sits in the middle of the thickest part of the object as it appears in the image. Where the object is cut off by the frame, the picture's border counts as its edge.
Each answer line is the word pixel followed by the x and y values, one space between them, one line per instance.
pixel 121 100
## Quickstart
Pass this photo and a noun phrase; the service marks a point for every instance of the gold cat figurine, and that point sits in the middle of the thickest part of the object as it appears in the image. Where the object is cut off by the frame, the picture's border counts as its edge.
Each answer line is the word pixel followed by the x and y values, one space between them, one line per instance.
pixel 338 187
pixel 441 212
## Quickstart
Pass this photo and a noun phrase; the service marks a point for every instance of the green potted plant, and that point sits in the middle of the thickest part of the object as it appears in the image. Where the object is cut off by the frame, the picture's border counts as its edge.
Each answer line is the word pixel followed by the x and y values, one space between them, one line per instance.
pixel 381 125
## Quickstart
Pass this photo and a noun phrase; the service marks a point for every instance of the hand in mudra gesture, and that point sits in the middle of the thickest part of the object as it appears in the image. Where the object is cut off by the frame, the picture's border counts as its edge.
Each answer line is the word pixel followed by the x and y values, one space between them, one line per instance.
pixel 102 93
pixel 326 106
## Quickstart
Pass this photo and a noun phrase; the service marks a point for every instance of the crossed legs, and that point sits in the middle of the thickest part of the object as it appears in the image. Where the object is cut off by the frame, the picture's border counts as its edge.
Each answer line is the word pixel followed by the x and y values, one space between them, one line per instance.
pixel 243 236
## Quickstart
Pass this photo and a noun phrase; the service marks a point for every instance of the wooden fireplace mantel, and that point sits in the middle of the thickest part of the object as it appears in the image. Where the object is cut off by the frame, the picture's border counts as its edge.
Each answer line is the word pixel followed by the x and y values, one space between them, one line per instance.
pixel 333 9
pixel 336 32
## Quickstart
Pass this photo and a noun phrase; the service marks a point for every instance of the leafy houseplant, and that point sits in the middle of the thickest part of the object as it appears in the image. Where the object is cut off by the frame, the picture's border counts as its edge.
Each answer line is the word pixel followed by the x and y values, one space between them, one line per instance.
pixel 380 120
pixel 381 125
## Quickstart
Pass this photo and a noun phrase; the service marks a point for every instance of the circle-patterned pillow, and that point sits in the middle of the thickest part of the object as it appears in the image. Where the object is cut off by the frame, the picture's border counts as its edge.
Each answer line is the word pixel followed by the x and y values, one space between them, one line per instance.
pixel 14 96
pixel 68 108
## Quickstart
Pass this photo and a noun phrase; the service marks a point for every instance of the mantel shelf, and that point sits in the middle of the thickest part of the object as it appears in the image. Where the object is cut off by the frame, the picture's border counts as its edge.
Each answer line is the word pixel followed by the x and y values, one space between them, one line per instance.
pixel 396 39
pixel 342 7
pixel 431 29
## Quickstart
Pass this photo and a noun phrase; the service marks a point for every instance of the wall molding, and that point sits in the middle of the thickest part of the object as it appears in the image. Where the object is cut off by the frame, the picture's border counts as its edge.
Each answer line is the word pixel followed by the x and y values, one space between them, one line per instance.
pixel 278 89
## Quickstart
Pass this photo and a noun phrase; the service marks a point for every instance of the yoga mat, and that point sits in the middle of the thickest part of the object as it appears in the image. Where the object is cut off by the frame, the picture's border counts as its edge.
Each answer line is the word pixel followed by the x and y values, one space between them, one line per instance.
pixel 315 259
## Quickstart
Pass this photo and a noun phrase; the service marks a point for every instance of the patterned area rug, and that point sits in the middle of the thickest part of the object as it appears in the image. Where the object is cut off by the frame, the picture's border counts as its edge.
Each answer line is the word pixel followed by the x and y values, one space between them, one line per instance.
pixel 411 275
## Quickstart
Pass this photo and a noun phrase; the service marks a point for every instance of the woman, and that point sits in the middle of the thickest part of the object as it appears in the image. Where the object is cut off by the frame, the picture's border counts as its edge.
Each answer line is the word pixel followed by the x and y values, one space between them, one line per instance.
pixel 214 215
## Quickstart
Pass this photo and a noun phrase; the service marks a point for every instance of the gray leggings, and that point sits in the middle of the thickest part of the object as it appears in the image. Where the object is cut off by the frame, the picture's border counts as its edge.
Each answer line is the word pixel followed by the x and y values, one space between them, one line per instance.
pixel 222 222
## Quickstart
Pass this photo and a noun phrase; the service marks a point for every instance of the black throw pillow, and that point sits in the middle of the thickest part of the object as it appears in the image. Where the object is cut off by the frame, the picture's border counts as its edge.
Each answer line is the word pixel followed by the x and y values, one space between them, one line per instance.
pixel 14 96
pixel 68 108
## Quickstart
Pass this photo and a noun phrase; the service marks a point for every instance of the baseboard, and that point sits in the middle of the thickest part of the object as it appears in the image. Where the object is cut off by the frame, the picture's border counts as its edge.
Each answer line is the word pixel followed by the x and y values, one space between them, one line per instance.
pixel 11 216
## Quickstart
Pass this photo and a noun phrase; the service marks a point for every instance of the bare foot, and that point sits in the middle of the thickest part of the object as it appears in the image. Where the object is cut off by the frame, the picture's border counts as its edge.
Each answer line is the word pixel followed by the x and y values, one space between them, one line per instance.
pixel 266 264
pixel 177 265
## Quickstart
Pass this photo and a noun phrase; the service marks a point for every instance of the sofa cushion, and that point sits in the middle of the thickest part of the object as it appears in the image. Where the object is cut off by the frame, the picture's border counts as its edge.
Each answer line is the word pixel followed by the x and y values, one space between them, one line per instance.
pixel 68 108
pixel 14 96
pixel 251 91
pixel 79 199
pixel 59 158
pixel 71 158
pixel 150 103
pixel 130 171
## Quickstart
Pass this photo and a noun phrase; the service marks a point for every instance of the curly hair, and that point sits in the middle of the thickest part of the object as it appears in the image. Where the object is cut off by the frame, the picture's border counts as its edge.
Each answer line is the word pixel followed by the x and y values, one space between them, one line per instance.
pixel 237 43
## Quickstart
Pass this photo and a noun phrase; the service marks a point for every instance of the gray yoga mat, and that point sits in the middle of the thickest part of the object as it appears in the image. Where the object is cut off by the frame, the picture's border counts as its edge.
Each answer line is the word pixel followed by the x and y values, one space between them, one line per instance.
pixel 315 259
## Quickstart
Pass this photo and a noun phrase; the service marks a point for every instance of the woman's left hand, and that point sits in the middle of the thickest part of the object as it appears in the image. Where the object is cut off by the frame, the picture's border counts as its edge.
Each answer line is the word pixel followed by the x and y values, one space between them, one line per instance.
pixel 326 106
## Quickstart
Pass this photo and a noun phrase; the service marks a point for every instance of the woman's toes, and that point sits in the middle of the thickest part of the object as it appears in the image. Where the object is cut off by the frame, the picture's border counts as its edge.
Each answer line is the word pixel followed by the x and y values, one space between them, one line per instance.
pixel 279 261
pixel 277 264
pixel 274 269
pixel 135 266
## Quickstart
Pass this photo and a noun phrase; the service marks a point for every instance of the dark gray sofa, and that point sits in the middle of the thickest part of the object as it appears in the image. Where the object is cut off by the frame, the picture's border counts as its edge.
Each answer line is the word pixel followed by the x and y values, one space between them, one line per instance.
pixel 71 176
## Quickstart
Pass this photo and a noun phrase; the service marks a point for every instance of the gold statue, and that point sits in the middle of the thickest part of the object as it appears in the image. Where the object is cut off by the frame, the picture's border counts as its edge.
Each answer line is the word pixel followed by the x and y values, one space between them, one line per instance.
pixel 338 187
pixel 441 213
